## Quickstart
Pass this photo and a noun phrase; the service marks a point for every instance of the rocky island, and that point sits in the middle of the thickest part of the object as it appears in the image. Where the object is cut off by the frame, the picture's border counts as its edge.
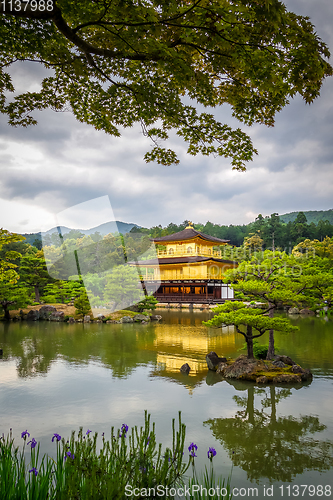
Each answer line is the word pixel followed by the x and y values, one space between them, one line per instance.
pixel 281 369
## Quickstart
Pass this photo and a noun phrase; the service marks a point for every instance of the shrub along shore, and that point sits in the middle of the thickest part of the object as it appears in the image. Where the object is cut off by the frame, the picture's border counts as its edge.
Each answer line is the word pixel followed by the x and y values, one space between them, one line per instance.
pixel 68 313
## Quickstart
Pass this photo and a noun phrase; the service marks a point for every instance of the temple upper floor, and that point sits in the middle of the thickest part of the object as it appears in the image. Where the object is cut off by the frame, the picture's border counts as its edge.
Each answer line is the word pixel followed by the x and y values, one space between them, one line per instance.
pixel 194 249
pixel 189 242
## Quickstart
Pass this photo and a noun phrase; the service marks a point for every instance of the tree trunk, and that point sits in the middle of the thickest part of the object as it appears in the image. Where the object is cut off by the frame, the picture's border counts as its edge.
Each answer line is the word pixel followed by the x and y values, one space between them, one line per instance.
pixel 271 350
pixel 37 295
pixel 273 405
pixel 250 405
pixel 5 304
pixel 249 342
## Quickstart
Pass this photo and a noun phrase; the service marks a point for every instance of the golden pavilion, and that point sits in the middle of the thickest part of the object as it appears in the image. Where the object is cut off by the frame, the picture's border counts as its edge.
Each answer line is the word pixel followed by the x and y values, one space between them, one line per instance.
pixel 189 268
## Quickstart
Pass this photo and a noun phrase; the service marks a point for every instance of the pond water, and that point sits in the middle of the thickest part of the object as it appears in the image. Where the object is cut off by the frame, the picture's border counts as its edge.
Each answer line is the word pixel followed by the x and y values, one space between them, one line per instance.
pixel 57 377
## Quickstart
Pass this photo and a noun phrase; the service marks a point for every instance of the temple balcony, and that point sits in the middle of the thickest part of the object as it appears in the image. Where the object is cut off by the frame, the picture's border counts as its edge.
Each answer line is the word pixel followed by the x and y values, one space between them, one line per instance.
pixel 176 274
pixel 189 252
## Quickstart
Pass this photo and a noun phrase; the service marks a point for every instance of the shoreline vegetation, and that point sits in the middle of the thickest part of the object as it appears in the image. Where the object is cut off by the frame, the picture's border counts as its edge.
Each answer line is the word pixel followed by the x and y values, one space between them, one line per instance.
pixel 128 465
pixel 68 313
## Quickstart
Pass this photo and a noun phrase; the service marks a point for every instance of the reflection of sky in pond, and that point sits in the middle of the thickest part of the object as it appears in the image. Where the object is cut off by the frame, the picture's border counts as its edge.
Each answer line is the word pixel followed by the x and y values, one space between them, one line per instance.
pixel 97 377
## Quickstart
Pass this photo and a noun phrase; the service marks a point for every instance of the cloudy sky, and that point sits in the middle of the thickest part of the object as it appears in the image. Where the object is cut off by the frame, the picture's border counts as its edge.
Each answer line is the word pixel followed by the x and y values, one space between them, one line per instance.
pixel 60 163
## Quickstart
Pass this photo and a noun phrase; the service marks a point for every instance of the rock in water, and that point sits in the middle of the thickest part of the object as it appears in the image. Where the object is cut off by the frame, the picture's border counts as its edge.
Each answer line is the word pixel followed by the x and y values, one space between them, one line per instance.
pixel 57 316
pixel 241 367
pixel 304 373
pixel 155 317
pixel 285 359
pixel 307 311
pixel 140 317
pixel 126 319
pixel 45 311
pixel 185 368
pixel 279 364
pixel 293 310
pixel 33 315
pixel 221 368
pixel 213 360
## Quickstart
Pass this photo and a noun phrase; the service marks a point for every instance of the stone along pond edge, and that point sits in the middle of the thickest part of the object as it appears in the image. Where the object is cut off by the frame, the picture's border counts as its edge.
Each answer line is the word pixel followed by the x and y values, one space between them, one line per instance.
pixel 51 313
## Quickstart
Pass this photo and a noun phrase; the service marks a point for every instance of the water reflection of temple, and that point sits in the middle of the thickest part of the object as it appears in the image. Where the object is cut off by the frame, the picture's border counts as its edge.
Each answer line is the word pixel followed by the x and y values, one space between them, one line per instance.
pixel 177 344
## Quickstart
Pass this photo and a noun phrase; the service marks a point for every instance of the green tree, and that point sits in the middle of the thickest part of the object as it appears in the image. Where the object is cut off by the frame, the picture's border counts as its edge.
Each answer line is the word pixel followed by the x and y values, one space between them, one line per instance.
pixel 123 287
pixel 274 231
pixel 61 291
pixel 33 272
pixel 250 323
pixel 275 279
pixel 253 242
pixel 10 293
pixel 73 234
pixel 299 227
pixel 316 259
pixel 82 304
pixel 147 304
pixel 324 229
pixel 310 248
pixel 259 224
pixel 119 63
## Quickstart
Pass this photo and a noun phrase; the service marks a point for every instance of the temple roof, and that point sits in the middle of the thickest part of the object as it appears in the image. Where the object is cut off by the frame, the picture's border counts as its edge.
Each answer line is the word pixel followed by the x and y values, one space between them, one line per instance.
pixel 188 234
pixel 180 260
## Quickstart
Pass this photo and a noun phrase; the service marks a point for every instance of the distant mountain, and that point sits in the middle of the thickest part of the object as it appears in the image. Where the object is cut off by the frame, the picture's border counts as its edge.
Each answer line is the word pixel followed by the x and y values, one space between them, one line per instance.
pixel 103 229
pixel 311 216
pixel 106 228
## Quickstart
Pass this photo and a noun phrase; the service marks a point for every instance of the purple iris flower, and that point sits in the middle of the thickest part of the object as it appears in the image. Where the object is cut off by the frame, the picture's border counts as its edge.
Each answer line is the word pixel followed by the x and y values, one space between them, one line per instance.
pixel 56 436
pixel 68 454
pixel 124 429
pixel 33 442
pixel 211 453
pixel 24 434
pixel 34 470
pixel 88 432
pixel 192 449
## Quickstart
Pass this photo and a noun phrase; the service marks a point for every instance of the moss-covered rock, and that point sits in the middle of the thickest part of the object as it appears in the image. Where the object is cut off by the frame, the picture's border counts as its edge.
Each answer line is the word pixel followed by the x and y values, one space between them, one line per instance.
pixel 264 371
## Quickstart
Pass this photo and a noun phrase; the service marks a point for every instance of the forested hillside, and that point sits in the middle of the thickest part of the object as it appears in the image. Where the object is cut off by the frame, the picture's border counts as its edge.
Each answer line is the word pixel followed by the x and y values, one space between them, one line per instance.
pixel 265 232
pixel 276 231
pixel 87 263
pixel 312 216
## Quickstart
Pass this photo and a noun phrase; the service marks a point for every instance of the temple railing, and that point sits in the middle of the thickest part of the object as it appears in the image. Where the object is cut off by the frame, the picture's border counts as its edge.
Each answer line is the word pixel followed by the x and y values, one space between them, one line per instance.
pixel 189 299
pixel 184 253
pixel 177 275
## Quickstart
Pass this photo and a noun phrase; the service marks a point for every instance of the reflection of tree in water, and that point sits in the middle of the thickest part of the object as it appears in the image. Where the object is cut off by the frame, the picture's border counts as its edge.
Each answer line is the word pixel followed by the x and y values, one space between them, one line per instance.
pixel 266 445
pixel 33 360
pixel 37 347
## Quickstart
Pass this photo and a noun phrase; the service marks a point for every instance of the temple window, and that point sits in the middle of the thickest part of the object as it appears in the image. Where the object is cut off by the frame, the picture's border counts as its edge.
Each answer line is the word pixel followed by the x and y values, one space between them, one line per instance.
pixel 171 251
pixel 189 249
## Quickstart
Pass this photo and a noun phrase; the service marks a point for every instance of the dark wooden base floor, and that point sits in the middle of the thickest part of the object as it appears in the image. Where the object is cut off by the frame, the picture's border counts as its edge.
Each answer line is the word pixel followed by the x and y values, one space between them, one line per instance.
pixel 186 299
